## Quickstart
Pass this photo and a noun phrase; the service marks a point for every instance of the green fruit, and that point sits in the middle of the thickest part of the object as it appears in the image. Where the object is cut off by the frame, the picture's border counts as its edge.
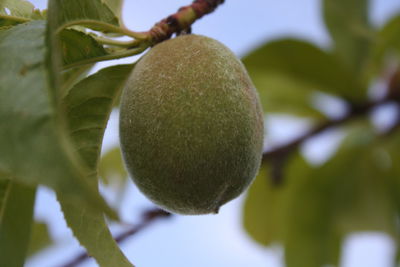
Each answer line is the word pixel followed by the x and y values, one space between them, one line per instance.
pixel 191 125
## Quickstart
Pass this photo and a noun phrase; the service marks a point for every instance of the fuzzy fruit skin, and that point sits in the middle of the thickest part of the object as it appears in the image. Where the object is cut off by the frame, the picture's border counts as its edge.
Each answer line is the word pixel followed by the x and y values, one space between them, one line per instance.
pixel 191 125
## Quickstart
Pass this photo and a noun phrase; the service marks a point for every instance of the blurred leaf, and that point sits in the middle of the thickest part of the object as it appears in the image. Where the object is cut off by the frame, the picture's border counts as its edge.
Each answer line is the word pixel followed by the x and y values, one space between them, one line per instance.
pixel 111 166
pixel 264 209
pixel 20 11
pixel 295 213
pixel 4 185
pixel 302 64
pixel 387 45
pixel 65 12
pixel 113 174
pixel 15 223
pixel 77 46
pixel 115 6
pixel 389 35
pixel 391 144
pixel 317 207
pixel 310 238
pixel 88 105
pixel 33 143
pixel 40 238
pixel 278 94
pixel 363 172
pixel 348 24
pixel 38 14
pixel 351 192
pixel 17 8
pixel 7 23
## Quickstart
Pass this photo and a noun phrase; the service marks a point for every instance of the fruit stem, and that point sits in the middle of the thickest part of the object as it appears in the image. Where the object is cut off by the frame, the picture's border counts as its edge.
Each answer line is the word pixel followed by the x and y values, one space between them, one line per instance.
pixel 117 55
pixel 181 20
pixel 176 23
pixel 107 41
pixel 105 26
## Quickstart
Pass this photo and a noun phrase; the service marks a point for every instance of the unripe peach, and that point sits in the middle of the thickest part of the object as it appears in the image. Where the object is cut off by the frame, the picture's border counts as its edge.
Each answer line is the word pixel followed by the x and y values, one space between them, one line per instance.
pixel 191 125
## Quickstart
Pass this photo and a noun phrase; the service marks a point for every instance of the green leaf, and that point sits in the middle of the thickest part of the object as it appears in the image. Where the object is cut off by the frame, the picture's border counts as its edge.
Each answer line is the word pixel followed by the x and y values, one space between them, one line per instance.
pixel 294 213
pixel 115 6
pixel 316 207
pixel 70 77
pixel 13 12
pixel 111 167
pixel 364 175
pixel 15 223
pixel 302 66
pixel 278 94
pixel 33 122
pixel 17 12
pixel 387 46
pixel 67 12
pixel 6 23
pixel 391 144
pixel 351 192
pixel 88 105
pixel 77 46
pixel 264 209
pixel 40 238
pixel 17 8
pixel 4 184
pixel 61 14
pixel 348 24
pixel 113 174
pixel 310 238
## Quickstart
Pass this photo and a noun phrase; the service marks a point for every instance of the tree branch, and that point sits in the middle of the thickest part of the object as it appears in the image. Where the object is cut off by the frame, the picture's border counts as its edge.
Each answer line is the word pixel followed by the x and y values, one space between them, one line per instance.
pixel 182 20
pixel 355 112
pixel 278 156
pixel 148 217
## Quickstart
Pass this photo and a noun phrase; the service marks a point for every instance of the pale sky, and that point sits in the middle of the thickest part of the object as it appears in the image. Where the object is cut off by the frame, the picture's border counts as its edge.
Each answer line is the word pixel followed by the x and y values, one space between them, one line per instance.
pixel 215 240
